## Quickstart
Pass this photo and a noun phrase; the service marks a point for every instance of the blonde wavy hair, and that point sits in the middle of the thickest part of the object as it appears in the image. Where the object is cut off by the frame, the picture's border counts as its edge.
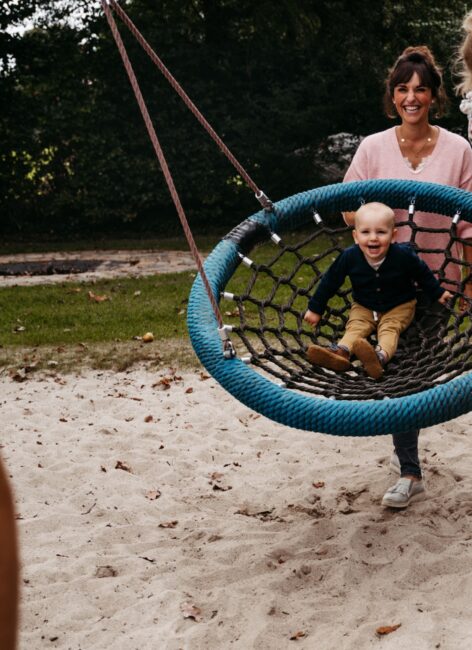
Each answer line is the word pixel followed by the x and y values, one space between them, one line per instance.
pixel 464 59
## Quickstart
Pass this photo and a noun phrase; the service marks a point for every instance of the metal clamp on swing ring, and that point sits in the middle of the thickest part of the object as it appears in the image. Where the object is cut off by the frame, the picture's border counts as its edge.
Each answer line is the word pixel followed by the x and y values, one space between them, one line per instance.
pixel 264 200
pixel 228 349
pixel 456 218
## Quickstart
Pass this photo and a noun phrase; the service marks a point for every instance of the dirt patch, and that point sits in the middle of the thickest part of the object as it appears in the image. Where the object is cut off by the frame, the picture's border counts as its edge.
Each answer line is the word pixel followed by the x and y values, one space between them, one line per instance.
pixel 86 266
pixel 26 362
pixel 50 267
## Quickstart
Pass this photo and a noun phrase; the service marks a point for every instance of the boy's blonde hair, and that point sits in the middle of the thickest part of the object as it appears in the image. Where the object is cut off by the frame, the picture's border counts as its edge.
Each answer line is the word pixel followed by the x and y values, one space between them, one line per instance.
pixel 376 209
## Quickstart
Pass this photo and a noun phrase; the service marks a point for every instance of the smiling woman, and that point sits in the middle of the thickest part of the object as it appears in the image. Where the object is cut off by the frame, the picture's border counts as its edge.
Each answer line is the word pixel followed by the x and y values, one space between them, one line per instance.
pixel 418 150
pixel 414 87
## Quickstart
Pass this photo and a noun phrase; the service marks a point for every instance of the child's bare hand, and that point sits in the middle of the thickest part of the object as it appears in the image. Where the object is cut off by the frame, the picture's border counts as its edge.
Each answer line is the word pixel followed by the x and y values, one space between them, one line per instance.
pixel 312 318
pixel 465 300
pixel 447 295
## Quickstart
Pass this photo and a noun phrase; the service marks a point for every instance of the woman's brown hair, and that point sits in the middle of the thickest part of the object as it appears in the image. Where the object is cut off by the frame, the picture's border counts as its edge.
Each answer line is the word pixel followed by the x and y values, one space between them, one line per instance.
pixel 417 59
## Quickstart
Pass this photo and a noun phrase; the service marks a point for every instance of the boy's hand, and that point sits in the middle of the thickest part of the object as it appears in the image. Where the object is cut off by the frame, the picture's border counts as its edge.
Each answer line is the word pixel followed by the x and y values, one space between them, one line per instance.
pixel 447 295
pixel 312 318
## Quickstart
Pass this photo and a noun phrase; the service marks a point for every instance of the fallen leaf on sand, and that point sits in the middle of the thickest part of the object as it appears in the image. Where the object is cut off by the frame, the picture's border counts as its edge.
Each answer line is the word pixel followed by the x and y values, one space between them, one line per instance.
pixel 387 629
pixel 298 635
pixel 322 551
pixel 152 495
pixel 95 298
pixel 189 610
pixel 106 571
pixel 263 515
pixel 122 465
pixel 168 524
pixel 18 375
pixel 218 486
pixel 163 383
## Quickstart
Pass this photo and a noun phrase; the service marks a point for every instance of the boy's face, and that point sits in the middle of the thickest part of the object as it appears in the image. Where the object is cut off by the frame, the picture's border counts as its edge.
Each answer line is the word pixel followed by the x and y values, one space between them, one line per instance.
pixel 374 233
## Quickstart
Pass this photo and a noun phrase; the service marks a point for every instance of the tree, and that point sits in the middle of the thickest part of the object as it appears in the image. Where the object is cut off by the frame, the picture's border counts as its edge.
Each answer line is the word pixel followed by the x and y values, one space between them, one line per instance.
pixel 274 79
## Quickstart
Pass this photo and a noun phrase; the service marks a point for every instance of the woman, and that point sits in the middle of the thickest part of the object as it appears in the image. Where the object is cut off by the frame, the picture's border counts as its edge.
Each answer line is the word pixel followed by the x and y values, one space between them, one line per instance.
pixel 420 151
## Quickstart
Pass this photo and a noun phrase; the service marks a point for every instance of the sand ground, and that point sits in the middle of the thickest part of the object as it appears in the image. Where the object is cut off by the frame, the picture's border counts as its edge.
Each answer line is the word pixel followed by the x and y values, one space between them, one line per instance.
pixel 155 512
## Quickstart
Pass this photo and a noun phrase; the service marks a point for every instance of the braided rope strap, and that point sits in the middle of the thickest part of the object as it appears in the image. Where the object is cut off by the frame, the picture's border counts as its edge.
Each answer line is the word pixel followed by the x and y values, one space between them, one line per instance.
pixel 366 416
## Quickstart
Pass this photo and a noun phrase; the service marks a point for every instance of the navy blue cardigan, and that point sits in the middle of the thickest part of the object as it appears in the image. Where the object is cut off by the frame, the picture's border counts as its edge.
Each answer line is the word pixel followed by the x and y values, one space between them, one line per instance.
pixel 391 285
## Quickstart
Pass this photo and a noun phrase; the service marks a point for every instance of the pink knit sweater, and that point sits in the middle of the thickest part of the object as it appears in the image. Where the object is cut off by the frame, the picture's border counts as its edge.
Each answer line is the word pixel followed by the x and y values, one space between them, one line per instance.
pixel 379 156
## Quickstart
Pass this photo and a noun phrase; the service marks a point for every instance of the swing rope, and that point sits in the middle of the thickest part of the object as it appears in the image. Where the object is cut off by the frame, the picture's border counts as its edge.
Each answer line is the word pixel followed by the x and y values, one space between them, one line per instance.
pixel 259 194
pixel 228 349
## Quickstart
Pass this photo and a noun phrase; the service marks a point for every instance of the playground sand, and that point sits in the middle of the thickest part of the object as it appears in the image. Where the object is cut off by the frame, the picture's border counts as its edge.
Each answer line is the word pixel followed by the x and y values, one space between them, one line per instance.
pixel 156 512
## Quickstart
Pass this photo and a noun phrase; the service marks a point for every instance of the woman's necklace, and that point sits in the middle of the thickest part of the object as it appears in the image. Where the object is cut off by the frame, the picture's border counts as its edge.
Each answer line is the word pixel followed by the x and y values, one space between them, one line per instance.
pixel 407 145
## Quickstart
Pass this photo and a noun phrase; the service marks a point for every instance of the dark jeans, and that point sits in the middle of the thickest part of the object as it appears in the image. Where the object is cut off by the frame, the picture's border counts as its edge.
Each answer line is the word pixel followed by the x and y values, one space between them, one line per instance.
pixel 430 317
pixel 406 448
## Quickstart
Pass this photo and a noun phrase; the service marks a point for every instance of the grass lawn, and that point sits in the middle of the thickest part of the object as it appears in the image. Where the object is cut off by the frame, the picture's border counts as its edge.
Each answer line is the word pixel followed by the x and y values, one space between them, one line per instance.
pixel 99 324
pixel 95 323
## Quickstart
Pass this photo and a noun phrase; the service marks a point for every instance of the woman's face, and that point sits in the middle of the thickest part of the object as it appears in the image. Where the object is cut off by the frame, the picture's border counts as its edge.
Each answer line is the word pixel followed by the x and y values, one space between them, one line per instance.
pixel 413 101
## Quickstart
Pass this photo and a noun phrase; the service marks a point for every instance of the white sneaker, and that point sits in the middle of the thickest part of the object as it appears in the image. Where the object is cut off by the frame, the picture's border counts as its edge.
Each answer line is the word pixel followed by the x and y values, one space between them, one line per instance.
pixel 394 463
pixel 404 491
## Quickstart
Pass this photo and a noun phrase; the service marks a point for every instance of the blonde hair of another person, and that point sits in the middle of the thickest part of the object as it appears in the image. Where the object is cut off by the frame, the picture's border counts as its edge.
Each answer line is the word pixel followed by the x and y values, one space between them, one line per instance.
pixel 464 59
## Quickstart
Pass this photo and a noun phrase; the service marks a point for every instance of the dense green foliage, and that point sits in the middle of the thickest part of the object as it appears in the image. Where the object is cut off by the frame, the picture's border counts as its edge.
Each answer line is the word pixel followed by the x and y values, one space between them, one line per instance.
pixel 274 79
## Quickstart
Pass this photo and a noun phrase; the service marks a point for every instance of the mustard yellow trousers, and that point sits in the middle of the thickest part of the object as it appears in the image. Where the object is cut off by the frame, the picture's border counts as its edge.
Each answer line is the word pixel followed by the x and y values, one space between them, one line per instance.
pixel 389 325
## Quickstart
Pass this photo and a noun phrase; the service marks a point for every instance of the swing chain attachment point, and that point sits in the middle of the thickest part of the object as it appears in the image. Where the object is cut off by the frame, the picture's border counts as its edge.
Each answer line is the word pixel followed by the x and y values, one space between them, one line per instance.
pixel 316 217
pixel 228 348
pixel 264 200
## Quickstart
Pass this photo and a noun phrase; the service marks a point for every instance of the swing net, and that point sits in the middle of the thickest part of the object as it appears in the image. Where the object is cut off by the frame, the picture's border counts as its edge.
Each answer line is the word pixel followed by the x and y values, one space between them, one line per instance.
pixel 259 279
pixel 265 294
pixel 267 303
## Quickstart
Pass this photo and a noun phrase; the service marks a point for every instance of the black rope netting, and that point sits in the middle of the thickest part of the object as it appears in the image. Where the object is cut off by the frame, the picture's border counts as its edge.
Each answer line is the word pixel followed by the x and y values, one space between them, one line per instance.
pixel 266 298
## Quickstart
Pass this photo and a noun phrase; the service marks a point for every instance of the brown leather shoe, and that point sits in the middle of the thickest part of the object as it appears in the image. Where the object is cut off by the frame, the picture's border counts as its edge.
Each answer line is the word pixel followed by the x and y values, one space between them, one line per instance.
pixel 368 357
pixel 337 360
